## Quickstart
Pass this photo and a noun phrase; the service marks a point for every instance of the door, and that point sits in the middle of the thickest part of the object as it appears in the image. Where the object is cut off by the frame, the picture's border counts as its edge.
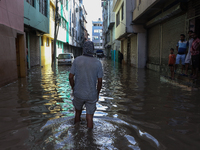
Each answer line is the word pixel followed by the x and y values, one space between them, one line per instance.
pixel 52 52
pixel 17 56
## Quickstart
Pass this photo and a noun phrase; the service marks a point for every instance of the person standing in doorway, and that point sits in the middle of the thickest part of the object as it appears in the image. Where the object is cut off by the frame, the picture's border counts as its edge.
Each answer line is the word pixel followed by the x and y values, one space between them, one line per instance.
pixel 182 49
pixel 195 55
pixel 121 57
pixel 86 87
pixel 188 58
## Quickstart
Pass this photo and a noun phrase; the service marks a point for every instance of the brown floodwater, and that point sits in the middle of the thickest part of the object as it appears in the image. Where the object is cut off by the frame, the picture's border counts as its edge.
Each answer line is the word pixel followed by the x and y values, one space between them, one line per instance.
pixel 138 109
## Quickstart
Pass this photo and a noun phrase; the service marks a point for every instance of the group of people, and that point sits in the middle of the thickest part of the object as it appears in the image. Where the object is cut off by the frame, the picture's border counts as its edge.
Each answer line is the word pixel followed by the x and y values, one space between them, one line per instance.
pixel 188 52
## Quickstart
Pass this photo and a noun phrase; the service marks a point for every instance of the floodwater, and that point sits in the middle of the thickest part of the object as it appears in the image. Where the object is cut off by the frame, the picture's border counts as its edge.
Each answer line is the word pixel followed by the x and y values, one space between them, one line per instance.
pixel 137 109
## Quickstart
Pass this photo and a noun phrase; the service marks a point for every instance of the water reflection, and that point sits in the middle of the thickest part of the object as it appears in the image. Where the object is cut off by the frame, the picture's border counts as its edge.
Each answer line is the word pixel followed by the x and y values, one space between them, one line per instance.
pixel 137 109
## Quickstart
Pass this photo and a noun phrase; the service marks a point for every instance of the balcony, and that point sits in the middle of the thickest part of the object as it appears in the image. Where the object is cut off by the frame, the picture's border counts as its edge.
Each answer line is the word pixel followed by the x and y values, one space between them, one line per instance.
pixel 116 4
pixel 142 7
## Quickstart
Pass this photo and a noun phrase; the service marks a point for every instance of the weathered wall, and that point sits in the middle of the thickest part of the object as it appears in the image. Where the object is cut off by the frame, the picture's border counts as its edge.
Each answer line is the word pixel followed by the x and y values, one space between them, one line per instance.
pixel 124 49
pixel 32 17
pixel 34 50
pixel 12 14
pixel 12 32
pixel 161 38
pixel 153 45
pixel 134 51
pixel 142 7
pixel 8 66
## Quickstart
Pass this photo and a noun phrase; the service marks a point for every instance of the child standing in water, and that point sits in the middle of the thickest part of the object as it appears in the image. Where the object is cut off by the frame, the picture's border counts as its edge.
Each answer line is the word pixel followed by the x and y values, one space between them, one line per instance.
pixel 172 60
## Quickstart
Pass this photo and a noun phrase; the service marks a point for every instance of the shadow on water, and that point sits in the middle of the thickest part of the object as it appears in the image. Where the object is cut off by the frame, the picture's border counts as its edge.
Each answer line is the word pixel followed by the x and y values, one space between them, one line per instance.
pixel 137 109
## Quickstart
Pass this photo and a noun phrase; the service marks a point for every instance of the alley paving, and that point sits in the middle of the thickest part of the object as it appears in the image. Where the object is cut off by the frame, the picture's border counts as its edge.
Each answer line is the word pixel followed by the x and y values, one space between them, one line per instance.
pixel 137 109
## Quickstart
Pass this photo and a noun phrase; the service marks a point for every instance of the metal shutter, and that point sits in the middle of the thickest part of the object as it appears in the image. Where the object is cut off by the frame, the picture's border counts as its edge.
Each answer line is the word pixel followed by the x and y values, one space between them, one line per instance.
pixel 154 45
pixel 171 35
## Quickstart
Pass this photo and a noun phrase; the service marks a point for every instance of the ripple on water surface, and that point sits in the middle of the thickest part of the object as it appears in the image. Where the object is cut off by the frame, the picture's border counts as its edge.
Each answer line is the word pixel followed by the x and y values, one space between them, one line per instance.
pixel 137 109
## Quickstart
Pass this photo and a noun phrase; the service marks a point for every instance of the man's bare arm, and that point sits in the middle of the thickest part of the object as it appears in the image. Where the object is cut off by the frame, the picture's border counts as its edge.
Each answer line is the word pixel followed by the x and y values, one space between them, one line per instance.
pixel 99 85
pixel 71 80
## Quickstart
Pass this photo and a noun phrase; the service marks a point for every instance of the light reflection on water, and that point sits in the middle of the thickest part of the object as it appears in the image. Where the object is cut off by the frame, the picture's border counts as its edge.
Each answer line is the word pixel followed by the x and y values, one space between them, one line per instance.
pixel 137 109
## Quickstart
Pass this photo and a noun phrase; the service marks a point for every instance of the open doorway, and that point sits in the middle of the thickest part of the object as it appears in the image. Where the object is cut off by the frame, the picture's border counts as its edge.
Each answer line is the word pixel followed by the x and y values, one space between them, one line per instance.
pixel 52 51
pixel 20 55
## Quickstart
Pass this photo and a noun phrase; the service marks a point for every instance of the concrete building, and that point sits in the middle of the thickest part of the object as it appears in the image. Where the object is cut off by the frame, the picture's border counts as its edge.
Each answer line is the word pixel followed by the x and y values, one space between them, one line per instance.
pixel 47 48
pixel 12 41
pixel 112 46
pixel 71 30
pixel 97 27
pixel 75 41
pixel 164 21
pixel 36 23
pixel 83 22
pixel 132 37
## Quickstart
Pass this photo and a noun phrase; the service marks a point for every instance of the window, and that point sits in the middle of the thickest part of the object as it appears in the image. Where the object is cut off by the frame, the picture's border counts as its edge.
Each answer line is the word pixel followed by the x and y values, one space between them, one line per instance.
pixel 101 38
pixel 101 44
pixel 122 11
pixel 42 41
pixel 117 19
pixel 96 31
pixel 100 31
pixel 95 37
pixel 96 44
pixel 43 7
pixel 31 2
pixel 47 43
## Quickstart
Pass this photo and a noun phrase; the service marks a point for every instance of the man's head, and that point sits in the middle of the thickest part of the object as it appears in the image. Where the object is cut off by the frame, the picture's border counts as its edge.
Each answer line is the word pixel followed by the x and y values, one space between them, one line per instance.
pixel 190 33
pixel 88 48
pixel 171 51
pixel 182 37
pixel 194 35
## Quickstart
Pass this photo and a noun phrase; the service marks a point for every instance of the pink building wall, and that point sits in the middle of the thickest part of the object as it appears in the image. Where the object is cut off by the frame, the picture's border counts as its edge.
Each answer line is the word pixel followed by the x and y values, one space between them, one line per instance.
pixel 12 41
pixel 12 14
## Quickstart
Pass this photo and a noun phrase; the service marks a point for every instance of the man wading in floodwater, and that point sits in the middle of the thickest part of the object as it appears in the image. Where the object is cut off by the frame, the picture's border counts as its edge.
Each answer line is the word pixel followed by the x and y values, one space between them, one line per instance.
pixel 88 82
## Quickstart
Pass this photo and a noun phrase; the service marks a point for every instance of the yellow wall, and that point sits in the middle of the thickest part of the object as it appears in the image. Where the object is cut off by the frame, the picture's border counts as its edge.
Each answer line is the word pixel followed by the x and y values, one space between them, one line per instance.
pixel 46 51
pixel 142 7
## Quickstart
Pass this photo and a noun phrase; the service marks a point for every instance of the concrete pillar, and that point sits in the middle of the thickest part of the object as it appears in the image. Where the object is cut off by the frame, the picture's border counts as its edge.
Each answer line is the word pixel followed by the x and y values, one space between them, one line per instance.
pixel 142 49
pixel 22 49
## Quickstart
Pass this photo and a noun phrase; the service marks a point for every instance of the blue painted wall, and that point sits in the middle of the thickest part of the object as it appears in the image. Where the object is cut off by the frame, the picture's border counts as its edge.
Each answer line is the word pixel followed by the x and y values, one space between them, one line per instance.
pixel 35 19
pixel 96 28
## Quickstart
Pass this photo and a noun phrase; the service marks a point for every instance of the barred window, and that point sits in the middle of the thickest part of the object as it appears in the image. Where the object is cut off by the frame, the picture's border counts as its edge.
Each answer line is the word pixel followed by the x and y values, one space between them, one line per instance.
pixel 31 2
pixel 43 7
